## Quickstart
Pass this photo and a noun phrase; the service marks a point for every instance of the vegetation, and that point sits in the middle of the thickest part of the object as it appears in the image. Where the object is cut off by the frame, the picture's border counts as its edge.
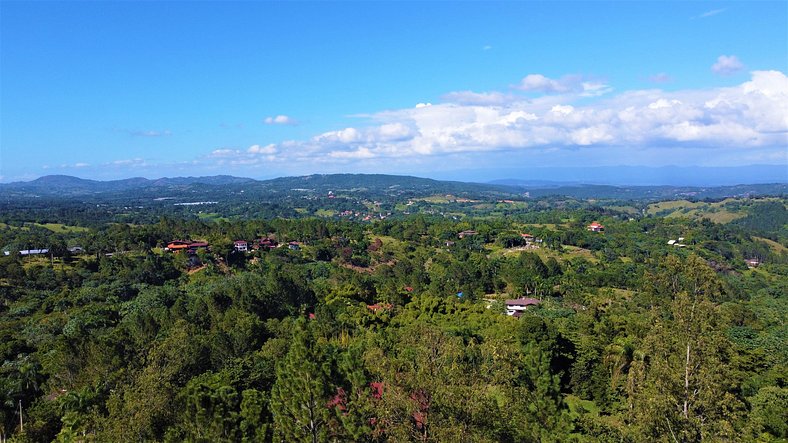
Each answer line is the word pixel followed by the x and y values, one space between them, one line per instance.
pixel 394 329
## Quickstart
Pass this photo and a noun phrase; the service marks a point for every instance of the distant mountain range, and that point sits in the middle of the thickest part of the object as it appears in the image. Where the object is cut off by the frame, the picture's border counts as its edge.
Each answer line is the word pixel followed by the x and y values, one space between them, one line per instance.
pixel 630 175
pixel 362 185
pixel 66 185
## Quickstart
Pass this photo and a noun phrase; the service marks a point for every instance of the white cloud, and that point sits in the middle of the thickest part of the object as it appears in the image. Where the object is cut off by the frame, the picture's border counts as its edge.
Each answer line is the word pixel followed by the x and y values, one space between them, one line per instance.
pixel 750 116
pixel 711 13
pixel 359 153
pixel 257 149
pixel 566 84
pixel 219 153
pixel 280 120
pixel 540 83
pixel 130 162
pixel 562 109
pixel 727 65
pixel 478 98
pixel 81 165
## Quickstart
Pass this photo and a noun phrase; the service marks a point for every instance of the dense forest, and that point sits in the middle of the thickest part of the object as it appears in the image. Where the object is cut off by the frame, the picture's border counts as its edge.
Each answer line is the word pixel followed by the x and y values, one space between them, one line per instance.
pixel 396 329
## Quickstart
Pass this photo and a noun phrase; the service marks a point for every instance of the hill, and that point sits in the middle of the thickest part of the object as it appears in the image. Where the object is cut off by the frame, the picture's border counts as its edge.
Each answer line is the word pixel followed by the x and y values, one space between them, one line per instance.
pixel 367 186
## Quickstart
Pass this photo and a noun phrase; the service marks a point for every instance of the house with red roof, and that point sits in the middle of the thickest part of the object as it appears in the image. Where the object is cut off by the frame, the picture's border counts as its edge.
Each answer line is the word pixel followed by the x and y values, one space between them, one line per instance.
pixel 595 227
pixel 517 306
pixel 186 245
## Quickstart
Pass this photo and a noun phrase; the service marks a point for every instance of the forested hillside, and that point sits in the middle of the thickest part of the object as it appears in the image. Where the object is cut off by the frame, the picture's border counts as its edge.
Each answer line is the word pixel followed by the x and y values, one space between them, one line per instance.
pixel 395 330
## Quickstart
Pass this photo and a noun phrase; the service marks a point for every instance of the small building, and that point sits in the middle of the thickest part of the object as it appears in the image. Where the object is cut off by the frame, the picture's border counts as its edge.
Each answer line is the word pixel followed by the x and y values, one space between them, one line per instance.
pixel 241 245
pixel 294 246
pixel 752 262
pixel 468 233
pixel 265 243
pixel 76 250
pixel 517 306
pixel 595 227
pixel 528 239
pixel 177 245
pixel 671 242
pixel 197 245
pixel 33 251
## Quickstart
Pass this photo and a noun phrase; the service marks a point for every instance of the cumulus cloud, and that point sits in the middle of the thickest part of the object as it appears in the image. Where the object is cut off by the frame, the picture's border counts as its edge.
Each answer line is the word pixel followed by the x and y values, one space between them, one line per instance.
pixel 750 116
pixel 566 84
pixel 253 155
pixel 280 120
pixel 479 98
pixel 257 149
pixel 70 166
pixel 727 65
pixel 127 162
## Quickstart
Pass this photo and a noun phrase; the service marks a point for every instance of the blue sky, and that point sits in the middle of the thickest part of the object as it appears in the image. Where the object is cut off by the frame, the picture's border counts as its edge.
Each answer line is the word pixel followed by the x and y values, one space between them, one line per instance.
pixel 120 89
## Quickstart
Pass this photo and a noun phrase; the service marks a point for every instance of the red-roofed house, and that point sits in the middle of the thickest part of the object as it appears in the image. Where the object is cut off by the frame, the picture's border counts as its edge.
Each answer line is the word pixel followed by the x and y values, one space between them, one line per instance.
pixel 194 246
pixel 267 243
pixel 241 245
pixel 595 227
pixel 178 245
pixel 517 306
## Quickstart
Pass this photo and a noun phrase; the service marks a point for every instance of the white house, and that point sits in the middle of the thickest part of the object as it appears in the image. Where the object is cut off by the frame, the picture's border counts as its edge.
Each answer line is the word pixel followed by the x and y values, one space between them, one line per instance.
pixel 517 306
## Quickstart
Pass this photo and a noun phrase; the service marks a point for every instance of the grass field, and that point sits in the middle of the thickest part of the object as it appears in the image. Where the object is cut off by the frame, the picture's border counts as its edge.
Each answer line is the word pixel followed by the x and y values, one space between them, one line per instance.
pixel 543 253
pixel 325 212
pixel 716 212
pixel 212 216
pixel 54 227
pixel 61 228
pixel 435 199
pixel 776 247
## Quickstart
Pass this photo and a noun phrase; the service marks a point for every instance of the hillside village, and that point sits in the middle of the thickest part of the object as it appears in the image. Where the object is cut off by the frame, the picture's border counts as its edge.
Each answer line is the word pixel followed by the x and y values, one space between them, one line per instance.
pixel 394 318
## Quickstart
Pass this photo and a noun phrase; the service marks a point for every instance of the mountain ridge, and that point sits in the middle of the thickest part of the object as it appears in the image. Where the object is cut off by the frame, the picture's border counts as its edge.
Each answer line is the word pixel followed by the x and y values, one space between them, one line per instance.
pixel 65 186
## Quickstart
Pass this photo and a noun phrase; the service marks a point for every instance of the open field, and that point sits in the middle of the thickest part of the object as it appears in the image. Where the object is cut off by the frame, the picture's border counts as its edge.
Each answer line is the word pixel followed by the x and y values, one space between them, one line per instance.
pixel 776 247
pixel 716 212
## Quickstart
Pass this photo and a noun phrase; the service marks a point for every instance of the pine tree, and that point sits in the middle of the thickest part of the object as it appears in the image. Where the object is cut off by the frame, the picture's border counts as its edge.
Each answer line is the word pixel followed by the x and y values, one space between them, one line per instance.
pixel 299 398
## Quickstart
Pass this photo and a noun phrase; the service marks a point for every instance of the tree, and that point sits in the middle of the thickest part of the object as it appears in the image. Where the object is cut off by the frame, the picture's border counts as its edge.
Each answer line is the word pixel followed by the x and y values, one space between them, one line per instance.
pixel 686 386
pixel 299 398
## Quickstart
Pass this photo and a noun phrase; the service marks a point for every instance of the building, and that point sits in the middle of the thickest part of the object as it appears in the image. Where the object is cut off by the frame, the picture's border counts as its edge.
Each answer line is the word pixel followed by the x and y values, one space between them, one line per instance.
pixel 241 245
pixel 186 245
pixel 194 246
pixel 517 306
pixel 464 234
pixel 177 245
pixel 29 252
pixel 595 227
pixel 294 246
pixel 752 262
pixel 265 243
